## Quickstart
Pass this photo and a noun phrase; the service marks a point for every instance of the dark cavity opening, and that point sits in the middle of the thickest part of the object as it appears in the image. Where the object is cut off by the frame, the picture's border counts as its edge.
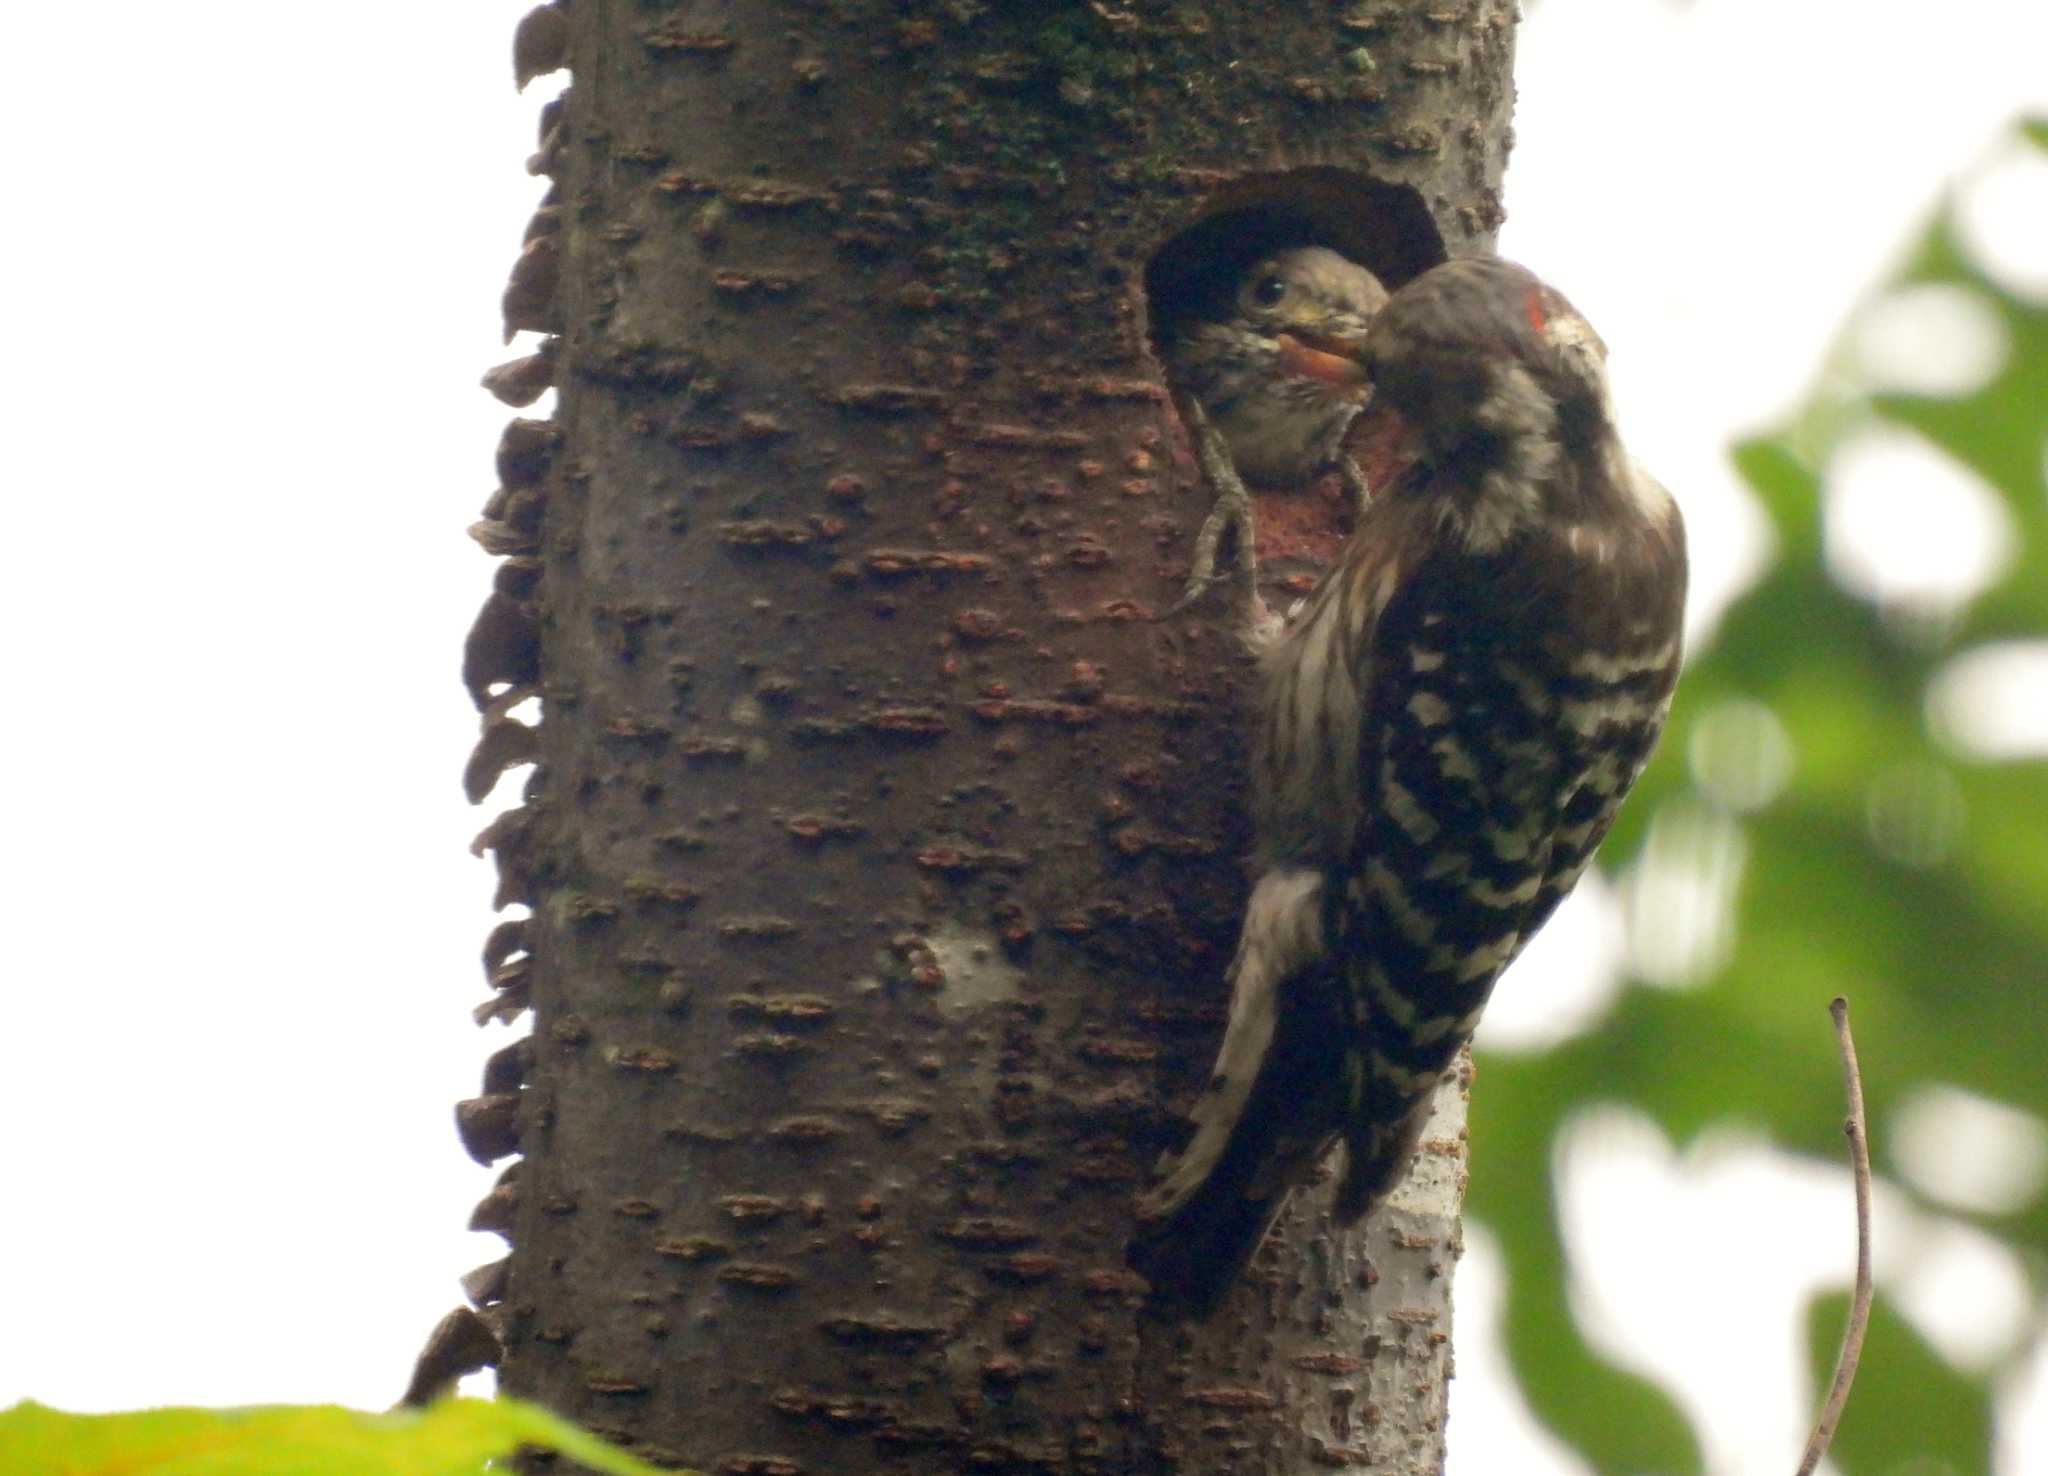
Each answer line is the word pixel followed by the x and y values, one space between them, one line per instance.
pixel 1383 227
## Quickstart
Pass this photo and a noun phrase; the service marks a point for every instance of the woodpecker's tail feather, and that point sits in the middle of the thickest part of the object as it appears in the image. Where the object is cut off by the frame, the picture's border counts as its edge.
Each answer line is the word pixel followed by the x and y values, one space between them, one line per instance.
pixel 1196 1254
pixel 1376 1159
pixel 1198 1230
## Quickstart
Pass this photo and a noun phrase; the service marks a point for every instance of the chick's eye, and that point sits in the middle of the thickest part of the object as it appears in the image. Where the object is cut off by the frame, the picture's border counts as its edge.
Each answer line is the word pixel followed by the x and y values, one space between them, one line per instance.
pixel 1269 291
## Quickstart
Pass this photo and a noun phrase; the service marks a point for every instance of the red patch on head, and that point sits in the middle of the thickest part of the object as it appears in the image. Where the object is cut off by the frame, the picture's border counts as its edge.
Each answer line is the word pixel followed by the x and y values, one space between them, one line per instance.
pixel 1532 307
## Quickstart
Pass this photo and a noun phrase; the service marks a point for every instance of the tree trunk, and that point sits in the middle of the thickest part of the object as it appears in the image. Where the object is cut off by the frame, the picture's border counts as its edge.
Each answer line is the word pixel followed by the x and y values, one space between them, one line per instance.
pixel 883 853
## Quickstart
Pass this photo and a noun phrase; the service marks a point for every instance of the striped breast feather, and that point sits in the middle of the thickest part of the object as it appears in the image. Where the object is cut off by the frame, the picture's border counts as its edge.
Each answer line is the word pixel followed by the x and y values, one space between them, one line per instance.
pixel 1318 677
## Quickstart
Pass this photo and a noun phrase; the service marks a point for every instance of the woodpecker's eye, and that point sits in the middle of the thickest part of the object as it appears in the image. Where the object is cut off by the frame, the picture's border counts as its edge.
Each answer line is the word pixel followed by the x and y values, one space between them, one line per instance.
pixel 1269 291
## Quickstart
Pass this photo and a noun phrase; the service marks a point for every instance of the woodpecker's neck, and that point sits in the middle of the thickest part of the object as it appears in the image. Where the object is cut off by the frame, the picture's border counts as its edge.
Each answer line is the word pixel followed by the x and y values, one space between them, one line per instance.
pixel 1495 461
pixel 1522 458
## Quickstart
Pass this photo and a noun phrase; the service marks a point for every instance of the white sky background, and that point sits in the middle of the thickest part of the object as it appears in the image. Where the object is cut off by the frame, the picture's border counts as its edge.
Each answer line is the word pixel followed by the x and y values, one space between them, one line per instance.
pixel 258 250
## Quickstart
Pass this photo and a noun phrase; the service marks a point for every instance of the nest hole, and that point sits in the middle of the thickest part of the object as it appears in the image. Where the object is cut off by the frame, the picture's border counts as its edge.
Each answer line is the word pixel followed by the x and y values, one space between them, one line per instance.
pixel 1385 228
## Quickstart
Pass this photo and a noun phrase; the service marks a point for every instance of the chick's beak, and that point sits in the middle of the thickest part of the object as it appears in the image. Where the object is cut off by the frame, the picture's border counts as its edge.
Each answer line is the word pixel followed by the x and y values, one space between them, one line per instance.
pixel 1328 352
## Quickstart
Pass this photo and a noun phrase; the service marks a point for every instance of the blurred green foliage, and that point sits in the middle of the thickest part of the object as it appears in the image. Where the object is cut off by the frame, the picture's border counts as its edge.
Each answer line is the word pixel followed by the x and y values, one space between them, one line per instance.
pixel 455 1437
pixel 1943 956
pixel 1904 1402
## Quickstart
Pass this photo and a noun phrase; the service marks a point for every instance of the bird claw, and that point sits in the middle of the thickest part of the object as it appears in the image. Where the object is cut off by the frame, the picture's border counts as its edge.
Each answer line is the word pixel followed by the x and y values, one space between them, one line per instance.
pixel 1197 586
pixel 1223 518
pixel 1230 513
pixel 1355 485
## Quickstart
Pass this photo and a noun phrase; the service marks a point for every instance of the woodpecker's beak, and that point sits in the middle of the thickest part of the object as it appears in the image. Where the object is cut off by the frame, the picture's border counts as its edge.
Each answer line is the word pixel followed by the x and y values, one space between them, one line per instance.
pixel 1332 358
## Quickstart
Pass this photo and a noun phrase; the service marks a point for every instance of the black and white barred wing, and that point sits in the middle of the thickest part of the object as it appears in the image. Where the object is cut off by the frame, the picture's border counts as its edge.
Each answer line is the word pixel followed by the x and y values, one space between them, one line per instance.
pixel 1456 842
pixel 1498 766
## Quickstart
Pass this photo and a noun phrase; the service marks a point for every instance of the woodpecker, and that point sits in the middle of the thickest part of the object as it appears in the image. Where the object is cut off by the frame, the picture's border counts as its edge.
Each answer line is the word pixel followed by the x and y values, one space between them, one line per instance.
pixel 1445 730
pixel 1269 381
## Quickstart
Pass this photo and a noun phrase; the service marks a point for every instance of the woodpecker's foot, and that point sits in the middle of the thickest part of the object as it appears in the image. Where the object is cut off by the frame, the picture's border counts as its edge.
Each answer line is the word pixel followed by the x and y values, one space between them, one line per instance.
pixel 1355 485
pixel 1231 513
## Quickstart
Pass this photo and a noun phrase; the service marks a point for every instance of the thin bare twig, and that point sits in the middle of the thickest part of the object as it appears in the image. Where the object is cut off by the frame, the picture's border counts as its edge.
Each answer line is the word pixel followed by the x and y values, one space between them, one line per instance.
pixel 1859 1305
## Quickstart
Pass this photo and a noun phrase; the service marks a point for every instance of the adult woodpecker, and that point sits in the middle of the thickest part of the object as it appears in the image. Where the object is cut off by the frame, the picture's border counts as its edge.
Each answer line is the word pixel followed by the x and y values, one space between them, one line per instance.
pixel 1269 380
pixel 1446 729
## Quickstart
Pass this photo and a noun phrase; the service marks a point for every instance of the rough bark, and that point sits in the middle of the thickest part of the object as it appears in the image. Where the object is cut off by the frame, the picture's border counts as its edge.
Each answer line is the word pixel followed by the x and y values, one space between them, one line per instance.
pixel 883 854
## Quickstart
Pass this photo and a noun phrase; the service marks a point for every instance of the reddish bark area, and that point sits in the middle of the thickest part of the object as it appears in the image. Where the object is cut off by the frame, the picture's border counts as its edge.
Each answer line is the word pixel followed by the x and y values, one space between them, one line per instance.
pixel 883 851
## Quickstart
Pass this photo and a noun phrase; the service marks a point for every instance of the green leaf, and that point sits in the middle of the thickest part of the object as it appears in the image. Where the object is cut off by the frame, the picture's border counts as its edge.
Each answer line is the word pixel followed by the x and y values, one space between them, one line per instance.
pixel 1908 1410
pixel 452 1438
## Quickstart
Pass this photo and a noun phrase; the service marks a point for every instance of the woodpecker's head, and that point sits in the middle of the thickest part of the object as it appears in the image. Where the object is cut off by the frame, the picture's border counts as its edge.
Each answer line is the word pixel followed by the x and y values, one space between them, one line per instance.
pixel 1480 351
pixel 1274 363
pixel 1502 388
